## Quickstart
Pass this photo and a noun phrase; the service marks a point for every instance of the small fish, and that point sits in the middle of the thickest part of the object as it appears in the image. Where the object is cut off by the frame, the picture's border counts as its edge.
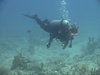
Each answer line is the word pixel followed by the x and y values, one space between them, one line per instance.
pixel 29 31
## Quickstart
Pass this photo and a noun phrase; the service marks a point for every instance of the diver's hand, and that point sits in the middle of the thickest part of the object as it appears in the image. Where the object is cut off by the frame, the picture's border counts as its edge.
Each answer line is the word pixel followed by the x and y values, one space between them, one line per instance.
pixel 64 46
pixel 48 45
pixel 70 46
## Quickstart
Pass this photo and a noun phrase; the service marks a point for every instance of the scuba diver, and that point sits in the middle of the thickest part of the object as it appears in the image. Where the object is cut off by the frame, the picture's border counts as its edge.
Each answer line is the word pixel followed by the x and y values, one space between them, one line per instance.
pixel 58 29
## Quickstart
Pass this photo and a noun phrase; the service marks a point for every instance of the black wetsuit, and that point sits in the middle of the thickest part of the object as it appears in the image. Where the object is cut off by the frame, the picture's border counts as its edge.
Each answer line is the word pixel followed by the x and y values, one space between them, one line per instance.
pixel 45 25
pixel 60 32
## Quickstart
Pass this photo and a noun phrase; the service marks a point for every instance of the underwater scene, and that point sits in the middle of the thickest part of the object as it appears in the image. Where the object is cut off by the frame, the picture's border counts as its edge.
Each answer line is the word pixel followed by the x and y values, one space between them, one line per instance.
pixel 49 37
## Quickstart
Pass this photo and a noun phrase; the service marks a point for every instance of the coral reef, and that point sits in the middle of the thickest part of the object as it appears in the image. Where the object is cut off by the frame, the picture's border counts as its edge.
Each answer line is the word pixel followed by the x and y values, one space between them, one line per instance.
pixel 22 65
pixel 4 71
pixel 52 67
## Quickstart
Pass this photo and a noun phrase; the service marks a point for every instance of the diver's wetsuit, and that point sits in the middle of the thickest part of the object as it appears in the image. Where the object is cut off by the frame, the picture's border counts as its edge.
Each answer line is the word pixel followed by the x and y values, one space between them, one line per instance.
pixel 57 31
pixel 45 25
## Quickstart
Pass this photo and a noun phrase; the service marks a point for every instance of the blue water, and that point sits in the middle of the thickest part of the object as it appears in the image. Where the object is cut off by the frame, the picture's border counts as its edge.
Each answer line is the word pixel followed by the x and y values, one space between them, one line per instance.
pixel 84 13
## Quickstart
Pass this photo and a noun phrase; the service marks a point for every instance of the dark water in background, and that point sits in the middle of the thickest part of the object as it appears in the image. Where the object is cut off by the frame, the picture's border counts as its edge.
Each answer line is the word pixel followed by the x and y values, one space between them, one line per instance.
pixel 85 13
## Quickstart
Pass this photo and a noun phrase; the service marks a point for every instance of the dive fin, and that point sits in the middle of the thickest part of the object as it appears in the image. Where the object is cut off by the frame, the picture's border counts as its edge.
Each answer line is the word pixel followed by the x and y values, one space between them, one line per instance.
pixel 34 16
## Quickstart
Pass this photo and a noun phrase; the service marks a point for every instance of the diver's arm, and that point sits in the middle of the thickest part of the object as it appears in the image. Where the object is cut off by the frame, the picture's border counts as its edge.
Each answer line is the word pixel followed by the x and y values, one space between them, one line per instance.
pixel 65 44
pixel 70 45
pixel 50 41
pixel 68 41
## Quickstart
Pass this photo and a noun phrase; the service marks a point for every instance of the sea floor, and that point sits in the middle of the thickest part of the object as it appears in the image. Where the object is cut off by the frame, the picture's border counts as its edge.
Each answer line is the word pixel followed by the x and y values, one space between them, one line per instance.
pixel 27 56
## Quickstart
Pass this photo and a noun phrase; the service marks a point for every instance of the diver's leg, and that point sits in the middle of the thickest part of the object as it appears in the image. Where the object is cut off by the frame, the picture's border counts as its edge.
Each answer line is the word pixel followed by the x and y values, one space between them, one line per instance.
pixel 35 18
pixel 40 22
pixel 43 25
pixel 46 21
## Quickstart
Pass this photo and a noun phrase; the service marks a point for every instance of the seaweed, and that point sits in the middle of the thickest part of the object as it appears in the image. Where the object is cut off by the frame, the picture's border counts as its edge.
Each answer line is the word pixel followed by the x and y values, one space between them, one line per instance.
pixel 90 47
pixel 19 62
pixel 95 72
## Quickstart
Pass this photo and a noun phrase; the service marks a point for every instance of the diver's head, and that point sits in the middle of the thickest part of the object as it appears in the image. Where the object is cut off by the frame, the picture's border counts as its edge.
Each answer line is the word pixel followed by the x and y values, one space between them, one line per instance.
pixel 73 30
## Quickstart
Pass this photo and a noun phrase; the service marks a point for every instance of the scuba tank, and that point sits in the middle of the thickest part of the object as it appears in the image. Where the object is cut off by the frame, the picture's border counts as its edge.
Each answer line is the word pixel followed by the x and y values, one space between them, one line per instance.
pixel 59 22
